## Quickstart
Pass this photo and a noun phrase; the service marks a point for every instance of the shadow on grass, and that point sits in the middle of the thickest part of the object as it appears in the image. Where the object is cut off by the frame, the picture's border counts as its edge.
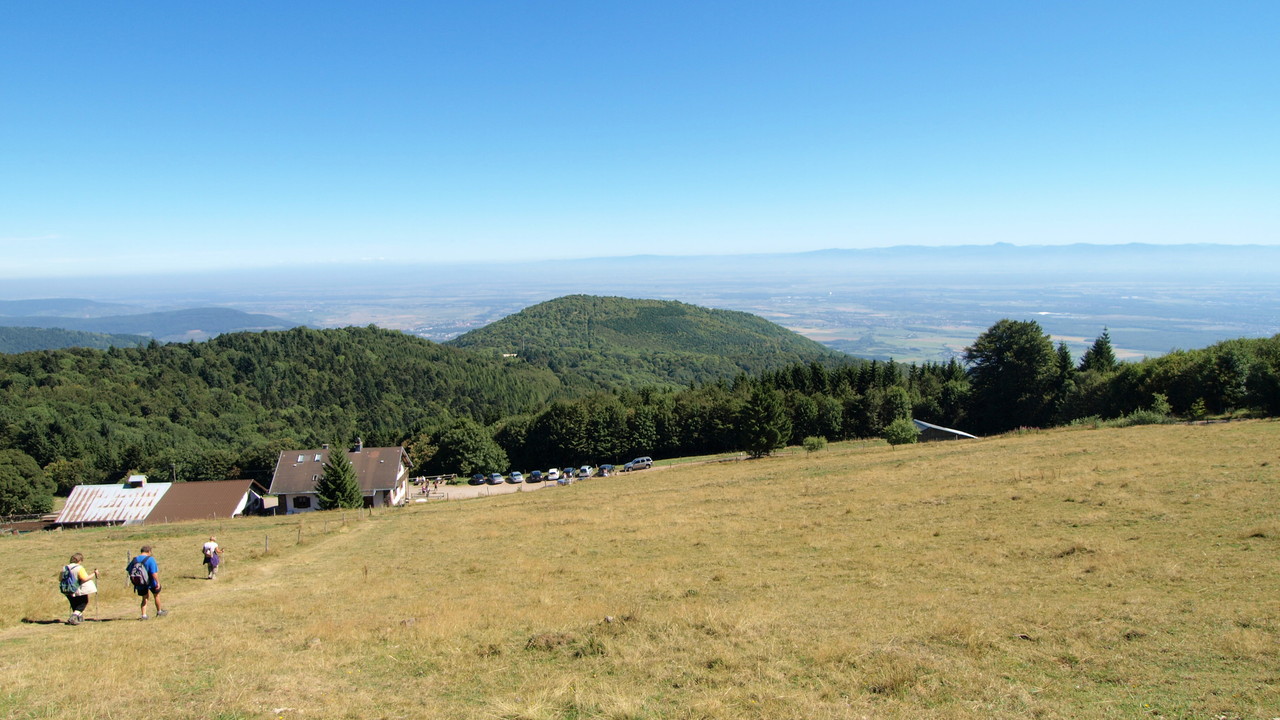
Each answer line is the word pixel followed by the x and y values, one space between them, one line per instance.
pixel 60 621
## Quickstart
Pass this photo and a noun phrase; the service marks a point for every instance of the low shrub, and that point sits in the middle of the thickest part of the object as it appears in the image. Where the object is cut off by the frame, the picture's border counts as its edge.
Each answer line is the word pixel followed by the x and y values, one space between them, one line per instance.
pixel 814 444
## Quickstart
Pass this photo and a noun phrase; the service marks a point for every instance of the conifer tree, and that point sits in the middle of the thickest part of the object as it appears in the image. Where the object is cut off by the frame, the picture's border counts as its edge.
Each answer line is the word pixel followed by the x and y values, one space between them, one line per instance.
pixel 764 423
pixel 338 487
pixel 1100 356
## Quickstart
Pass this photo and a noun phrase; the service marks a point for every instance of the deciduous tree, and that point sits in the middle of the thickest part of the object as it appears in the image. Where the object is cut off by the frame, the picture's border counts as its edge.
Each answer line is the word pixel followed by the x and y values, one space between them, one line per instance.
pixel 1012 373
pixel 901 432
pixel 467 448
pixel 24 489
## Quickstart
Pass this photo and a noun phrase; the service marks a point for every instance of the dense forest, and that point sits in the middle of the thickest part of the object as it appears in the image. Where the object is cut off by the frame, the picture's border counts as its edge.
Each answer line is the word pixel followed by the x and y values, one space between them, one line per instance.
pixel 595 343
pixel 226 407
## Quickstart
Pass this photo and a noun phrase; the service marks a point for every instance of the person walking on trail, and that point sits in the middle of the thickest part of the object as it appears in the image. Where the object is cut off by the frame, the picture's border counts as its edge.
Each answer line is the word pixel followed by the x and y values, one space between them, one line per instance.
pixel 212 557
pixel 77 584
pixel 144 574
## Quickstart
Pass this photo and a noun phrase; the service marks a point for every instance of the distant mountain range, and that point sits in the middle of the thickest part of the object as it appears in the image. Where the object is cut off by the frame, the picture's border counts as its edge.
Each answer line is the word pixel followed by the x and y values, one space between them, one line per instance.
pixel 65 307
pixel 167 326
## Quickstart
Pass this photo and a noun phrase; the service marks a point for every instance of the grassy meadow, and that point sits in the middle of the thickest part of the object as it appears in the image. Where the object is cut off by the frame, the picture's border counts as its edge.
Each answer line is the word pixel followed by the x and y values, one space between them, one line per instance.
pixel 1076 573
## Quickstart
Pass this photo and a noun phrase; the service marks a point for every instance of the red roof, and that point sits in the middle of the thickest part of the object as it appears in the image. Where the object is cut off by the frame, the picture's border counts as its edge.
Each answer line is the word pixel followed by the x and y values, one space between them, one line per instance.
pixel 201 501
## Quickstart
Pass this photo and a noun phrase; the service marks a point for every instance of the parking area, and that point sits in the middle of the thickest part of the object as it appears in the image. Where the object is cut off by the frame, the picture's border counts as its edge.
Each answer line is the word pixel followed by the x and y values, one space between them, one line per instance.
pixel 463 491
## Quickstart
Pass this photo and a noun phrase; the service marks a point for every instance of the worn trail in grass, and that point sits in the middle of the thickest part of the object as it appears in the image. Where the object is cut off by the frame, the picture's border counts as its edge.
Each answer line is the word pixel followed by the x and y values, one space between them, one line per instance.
pixel 1082 573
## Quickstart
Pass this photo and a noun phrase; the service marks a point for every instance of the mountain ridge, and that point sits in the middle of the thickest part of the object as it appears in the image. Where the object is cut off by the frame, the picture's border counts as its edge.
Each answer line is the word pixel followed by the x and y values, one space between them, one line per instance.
pixel 167 325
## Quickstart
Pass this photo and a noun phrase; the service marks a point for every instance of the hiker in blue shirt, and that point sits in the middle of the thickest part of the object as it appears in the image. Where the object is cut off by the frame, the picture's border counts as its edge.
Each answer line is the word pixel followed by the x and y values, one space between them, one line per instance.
pixel 144 573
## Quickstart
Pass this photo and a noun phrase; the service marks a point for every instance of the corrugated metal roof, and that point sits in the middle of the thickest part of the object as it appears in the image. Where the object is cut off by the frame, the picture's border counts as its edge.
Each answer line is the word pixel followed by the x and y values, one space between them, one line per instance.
pixel 114 504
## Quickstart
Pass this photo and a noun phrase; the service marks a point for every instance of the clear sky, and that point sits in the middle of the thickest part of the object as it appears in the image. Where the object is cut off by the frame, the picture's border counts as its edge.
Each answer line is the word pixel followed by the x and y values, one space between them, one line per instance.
pixel 145 136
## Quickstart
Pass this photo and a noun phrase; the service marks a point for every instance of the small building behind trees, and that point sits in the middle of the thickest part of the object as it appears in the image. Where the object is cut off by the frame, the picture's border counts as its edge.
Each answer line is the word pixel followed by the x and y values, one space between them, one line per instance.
pixel 930 432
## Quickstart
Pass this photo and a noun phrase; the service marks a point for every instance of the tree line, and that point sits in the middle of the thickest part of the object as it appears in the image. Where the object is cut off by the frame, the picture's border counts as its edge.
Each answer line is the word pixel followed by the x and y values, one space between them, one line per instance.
pixel 1012 376
pixel 225 408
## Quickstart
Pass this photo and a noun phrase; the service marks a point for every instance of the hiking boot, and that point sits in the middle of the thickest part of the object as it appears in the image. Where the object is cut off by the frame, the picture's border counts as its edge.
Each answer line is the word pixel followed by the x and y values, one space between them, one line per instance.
pixel 144 617
pixel 161 613
pixel 73 620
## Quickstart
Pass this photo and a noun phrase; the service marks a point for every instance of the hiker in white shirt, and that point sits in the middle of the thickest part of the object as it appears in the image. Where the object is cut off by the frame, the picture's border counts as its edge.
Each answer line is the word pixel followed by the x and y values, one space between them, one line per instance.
pixel 212 557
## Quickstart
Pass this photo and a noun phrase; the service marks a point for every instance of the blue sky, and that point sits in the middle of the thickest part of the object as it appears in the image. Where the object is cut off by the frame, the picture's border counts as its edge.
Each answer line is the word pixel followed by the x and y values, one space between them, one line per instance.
pixel 150 136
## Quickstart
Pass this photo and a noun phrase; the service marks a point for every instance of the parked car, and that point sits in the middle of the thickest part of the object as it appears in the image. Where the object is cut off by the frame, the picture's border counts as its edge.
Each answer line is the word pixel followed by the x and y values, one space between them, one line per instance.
pixel 515 477
pixel 640 463
pixel 477 479
pixel 606 470
pixel 553 474
pixel 535 476
pixel 585 471
pixel 495 479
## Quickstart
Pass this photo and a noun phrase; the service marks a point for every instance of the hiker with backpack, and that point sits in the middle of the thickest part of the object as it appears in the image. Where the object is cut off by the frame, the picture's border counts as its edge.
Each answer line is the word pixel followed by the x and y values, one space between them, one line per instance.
pixel 144 575
pixel 77 584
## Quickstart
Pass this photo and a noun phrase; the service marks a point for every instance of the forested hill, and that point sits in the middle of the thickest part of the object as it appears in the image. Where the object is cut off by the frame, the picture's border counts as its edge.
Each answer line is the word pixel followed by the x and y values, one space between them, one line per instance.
pixel 226 407
pixel 170 325
pixel 26 339
pixel 603 342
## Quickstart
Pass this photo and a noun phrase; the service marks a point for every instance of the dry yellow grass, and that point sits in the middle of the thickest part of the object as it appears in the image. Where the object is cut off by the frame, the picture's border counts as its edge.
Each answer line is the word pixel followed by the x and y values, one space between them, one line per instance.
pixel 1066 574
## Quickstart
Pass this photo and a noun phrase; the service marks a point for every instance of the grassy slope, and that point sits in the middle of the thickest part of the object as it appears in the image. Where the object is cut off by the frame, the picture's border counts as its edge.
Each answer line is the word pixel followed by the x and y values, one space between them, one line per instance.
pixel 1065 574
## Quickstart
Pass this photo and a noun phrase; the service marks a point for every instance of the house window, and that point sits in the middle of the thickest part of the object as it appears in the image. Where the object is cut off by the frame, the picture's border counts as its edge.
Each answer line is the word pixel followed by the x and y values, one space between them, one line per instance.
pixel 317 457
pixel 301 458
pixel 302 501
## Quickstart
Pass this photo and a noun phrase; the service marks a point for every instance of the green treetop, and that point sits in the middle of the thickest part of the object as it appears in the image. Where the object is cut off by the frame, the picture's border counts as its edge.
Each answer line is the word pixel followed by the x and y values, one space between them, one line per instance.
pixel 338 486
pixel 764 423
pixel 1100 356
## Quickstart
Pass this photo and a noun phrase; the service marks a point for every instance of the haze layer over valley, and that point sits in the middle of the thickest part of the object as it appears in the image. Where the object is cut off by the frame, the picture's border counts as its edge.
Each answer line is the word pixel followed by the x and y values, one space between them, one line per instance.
pixel 905 303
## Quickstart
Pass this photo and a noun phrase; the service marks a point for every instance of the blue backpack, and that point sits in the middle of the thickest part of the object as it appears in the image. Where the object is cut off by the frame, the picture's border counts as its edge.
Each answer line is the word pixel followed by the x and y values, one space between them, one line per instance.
pixel 69 584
